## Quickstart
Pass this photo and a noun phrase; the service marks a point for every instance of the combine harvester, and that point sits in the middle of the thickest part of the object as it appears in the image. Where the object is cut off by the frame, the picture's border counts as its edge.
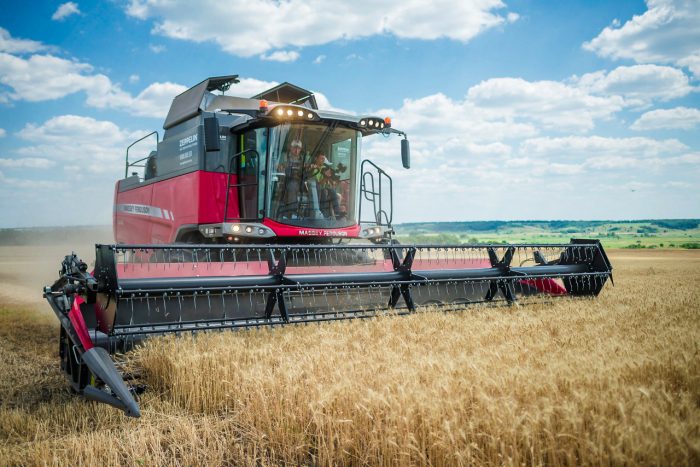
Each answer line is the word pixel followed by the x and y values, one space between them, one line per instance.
pixel 243 218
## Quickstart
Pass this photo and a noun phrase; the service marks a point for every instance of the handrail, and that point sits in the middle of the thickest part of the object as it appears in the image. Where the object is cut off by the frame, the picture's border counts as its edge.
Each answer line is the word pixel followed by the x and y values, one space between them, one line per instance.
pixel 365 191
pixel 126 173
pixel 228 181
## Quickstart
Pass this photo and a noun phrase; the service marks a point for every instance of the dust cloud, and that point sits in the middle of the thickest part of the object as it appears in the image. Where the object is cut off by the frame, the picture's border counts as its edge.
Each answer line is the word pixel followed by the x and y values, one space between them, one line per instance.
pixel 32 261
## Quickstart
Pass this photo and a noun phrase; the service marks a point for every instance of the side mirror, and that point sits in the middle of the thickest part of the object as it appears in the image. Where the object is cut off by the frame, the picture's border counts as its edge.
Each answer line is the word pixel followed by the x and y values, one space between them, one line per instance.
pixel 405 154
pixel 211 134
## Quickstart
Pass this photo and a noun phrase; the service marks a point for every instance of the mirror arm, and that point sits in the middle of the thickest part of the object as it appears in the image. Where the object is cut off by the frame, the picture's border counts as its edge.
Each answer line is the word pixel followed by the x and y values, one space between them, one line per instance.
pixel 388 131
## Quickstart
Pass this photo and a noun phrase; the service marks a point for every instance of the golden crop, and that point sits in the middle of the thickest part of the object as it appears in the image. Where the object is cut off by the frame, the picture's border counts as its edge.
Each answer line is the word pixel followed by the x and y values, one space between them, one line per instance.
pixel 615 380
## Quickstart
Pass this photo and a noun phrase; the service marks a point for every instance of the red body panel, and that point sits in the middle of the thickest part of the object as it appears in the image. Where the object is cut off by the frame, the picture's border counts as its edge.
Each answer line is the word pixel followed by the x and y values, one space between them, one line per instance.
pixel 153 213
pixel 132 228
pixel 76 319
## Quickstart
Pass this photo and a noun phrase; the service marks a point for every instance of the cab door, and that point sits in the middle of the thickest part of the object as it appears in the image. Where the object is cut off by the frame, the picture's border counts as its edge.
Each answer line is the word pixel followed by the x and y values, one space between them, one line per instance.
pixel 252 171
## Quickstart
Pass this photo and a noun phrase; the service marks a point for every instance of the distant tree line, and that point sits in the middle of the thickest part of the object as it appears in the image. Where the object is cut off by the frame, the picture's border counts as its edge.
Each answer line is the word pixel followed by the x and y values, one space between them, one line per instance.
pixel 679 224
pixel 555 225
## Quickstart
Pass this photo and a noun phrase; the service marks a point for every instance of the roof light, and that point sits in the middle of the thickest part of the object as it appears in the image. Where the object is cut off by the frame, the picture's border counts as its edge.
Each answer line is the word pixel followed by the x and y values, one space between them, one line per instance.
pixel 263 105
pixel 292 112
pixel 374 124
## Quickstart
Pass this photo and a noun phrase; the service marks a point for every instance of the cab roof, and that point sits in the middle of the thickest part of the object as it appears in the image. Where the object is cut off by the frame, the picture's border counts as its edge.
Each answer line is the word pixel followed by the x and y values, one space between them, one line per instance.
pixel 200 97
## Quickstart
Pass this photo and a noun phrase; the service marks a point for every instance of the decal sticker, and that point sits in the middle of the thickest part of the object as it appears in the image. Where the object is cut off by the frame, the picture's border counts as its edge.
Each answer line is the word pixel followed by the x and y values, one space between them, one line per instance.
pixel 189 141
pixel 144 210
pixel 188 147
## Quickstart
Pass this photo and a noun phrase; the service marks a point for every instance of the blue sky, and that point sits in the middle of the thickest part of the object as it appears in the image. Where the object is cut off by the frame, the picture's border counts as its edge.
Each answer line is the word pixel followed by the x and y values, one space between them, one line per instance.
pixel 515 109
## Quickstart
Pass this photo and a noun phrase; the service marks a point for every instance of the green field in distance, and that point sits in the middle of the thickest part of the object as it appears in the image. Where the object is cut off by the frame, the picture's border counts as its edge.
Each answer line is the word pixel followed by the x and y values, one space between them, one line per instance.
pixel 653 233
pixel 657 233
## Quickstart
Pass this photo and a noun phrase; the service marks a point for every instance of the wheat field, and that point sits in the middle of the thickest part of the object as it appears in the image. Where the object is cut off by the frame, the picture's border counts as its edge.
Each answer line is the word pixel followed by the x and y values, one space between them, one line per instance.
pixel 615 380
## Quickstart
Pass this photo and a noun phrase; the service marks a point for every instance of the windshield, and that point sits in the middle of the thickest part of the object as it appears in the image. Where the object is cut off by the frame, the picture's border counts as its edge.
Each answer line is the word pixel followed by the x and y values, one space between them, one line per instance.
pixel 313 179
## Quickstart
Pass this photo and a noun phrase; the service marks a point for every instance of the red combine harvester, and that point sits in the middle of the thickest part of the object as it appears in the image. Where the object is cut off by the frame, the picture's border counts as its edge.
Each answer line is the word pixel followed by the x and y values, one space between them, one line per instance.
pixel 244 216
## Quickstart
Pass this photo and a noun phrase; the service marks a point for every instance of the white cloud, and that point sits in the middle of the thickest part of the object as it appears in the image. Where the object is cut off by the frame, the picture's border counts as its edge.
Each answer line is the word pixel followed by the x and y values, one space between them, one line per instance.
pixel 137 9
pixel 284 56
pixel 30 184
pixel 40 78
pixel 73 128
pixel 647 164
pixel 318 60
pixel 2 132
pixel 679 118
pixel 443 123
pixel 473 137
pixel 637 186
pixel 18 46
pixel 612 162
pixel 87 158
pixel 667 32
pixel 157 48
pixel 248 87
pixel 512 17
pixel 677 184
pixel 638 84
pixel 101 143
pixel 154 101
pixel 27 162
pixel 542 167
pixel 551 104
pixel 46 77
pixel 577 147
pixel 65 10
pixel 300 23
pixel 324 104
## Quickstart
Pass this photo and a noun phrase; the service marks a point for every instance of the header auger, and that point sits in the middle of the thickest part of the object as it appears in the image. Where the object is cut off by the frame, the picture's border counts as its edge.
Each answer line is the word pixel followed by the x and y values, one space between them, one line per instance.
pixel 236 221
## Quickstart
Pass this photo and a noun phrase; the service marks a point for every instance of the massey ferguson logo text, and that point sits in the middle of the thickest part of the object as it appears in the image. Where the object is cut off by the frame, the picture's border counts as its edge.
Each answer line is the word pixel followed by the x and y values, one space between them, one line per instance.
pixel 145 210
pixel 135 208
pixel 322 233
pixel 189 140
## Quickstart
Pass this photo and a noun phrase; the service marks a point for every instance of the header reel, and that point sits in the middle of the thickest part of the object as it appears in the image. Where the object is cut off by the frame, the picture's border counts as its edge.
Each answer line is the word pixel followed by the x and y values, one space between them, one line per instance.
pixel 138 291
